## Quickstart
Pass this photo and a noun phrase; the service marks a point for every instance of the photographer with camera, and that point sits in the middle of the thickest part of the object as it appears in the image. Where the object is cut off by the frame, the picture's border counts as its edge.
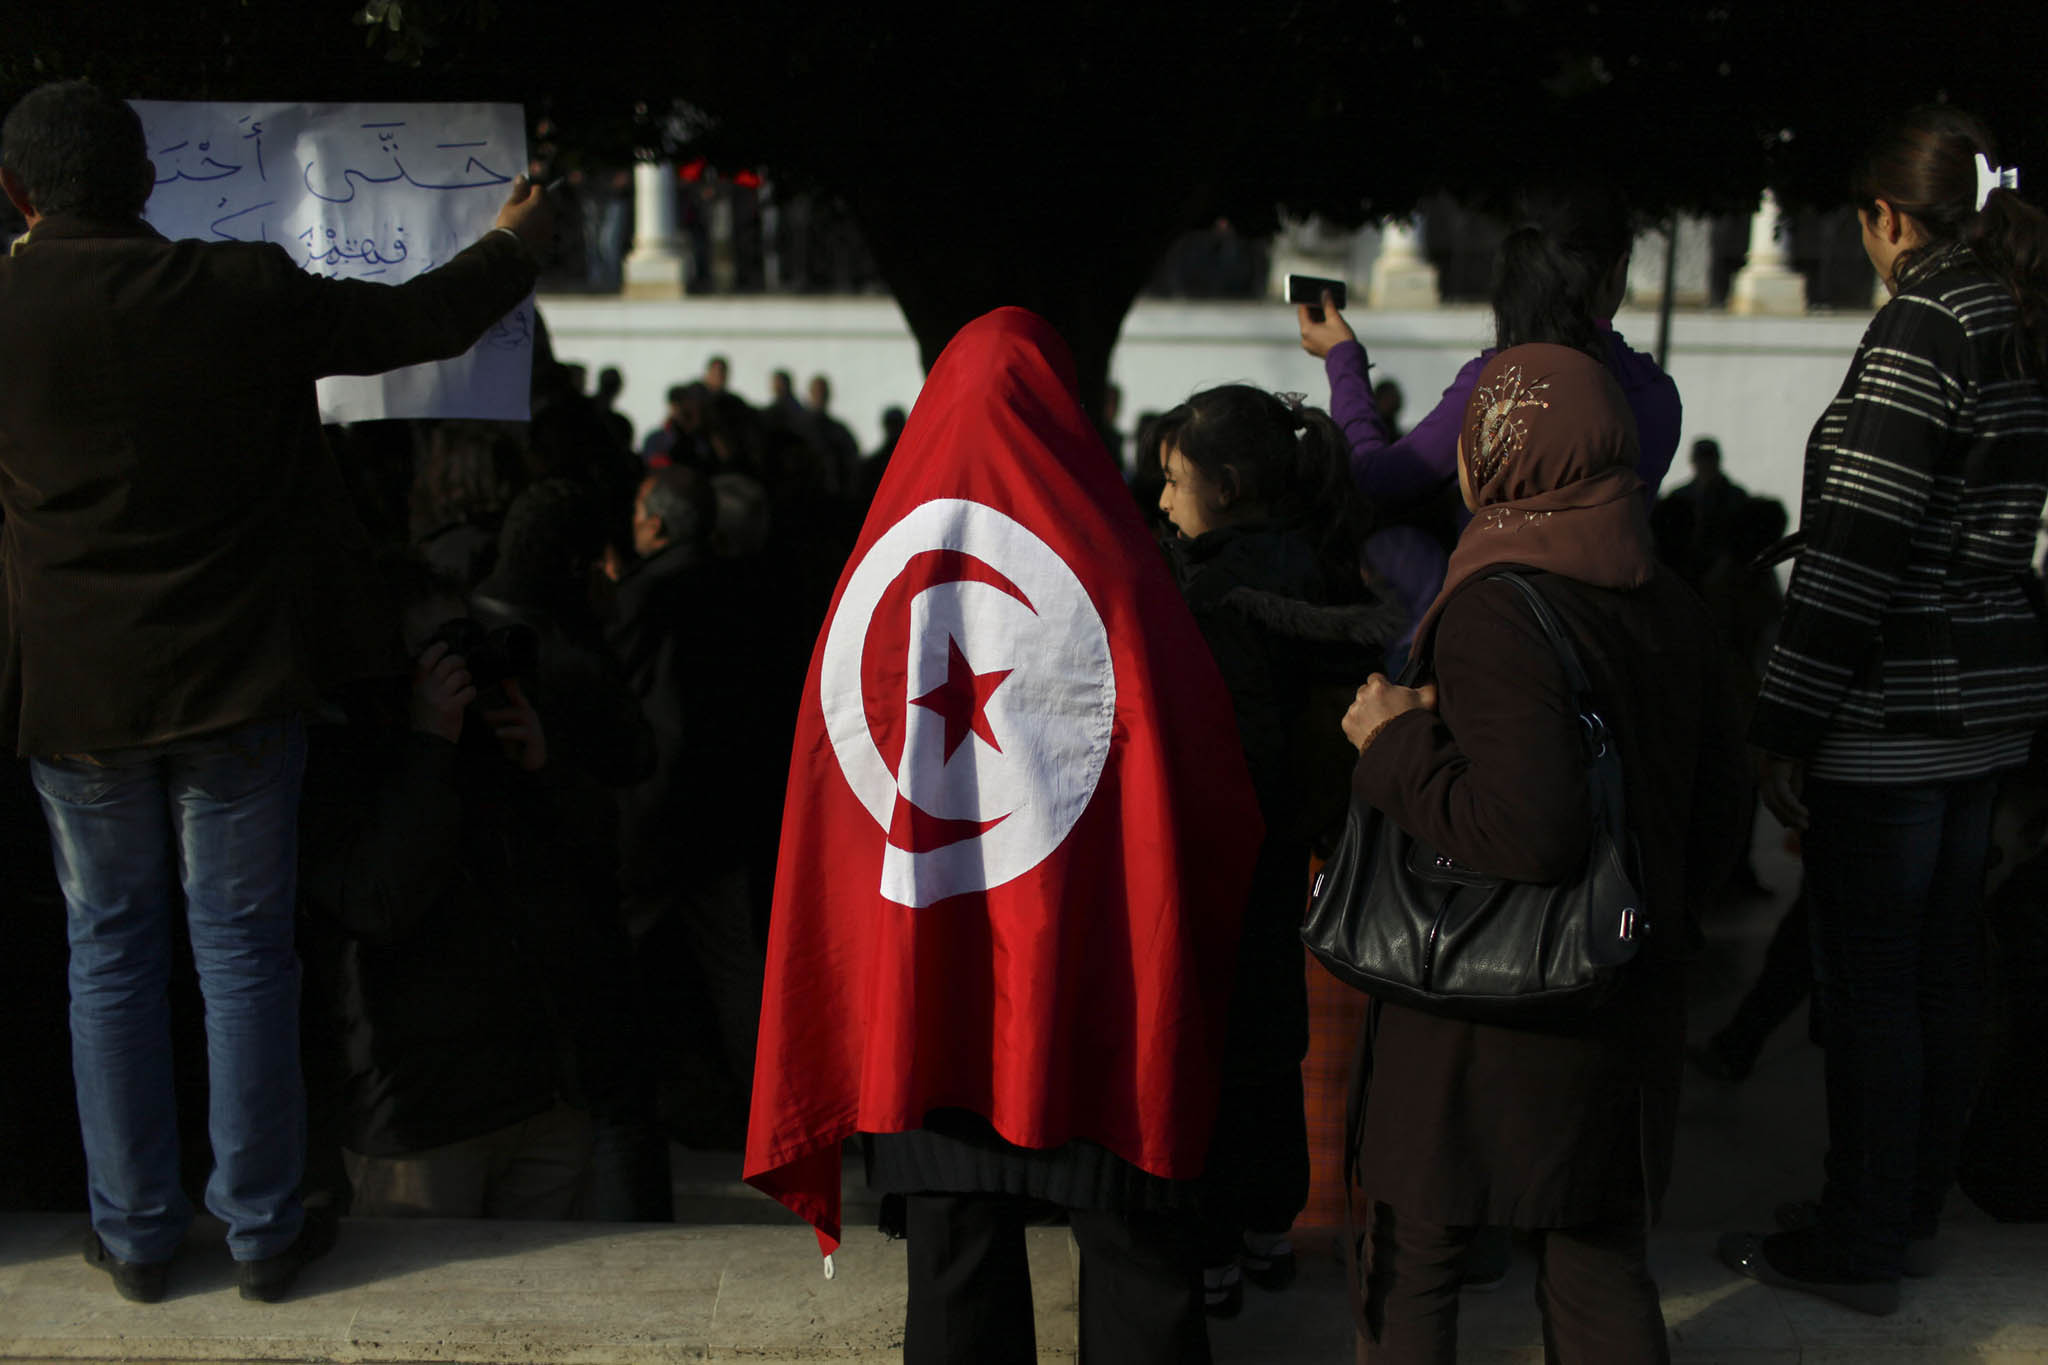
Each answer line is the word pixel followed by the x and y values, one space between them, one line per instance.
pixel 432 877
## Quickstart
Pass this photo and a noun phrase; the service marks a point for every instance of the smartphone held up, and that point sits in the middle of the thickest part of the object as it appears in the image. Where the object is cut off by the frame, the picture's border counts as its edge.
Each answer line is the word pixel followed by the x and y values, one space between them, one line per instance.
pixel 1309 289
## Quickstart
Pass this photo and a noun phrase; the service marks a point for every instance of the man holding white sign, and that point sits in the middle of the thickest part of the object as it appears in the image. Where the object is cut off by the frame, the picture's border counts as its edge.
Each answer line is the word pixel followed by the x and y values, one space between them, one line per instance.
pixel 161 462
pixel 379 192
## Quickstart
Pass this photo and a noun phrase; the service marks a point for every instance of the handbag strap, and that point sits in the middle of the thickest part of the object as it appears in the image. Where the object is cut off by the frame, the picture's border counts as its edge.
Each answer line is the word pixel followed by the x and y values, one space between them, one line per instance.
pixel 1560 644
pixel 1421 660
pixel 1603 763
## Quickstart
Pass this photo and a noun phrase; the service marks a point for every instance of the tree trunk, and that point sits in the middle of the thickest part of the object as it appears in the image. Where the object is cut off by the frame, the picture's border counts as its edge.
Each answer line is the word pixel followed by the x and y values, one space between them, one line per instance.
pixel 1078 262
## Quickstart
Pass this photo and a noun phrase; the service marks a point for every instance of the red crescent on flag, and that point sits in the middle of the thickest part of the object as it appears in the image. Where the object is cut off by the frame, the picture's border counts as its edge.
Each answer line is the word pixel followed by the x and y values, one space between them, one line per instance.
pixel 885 683
pixel 885 653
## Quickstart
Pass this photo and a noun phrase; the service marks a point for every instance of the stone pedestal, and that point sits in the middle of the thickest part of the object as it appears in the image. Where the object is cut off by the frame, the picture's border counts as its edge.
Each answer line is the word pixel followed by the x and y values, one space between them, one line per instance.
pixel 1767 283
pixel 1401 277
pixel 771 237
pixel 725 265
pixel 654 268
pixel 1692 277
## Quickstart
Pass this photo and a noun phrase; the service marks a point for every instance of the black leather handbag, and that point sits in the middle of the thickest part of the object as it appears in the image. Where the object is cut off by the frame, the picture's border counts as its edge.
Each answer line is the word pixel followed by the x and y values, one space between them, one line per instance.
pixel 1409 924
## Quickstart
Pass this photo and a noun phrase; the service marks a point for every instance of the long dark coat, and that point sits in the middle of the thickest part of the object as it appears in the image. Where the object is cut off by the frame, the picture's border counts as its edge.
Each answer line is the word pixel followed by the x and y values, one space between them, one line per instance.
pixel 177 537
pixel 1470 1124
pixel 1258 596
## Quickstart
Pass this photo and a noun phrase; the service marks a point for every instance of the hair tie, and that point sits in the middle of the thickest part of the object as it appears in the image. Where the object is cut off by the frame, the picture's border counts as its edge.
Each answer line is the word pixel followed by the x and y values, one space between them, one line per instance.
pixel 1293 402
pixel 1990 177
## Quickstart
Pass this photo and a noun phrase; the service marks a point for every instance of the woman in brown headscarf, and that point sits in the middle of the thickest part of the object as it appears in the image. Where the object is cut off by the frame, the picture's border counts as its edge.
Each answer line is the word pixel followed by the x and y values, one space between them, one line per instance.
pixel 1565 1133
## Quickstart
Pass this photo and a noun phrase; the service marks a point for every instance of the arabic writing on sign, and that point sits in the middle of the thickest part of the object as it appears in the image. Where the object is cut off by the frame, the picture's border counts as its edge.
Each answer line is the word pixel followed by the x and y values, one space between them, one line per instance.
pixel 513 332
pixel 376 192
pixel 337 183
pixel 347 186
pixel 328 248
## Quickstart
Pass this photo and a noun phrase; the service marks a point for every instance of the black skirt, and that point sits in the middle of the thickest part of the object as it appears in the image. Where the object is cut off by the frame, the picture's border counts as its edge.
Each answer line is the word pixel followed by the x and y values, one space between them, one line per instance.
pixel 960 1152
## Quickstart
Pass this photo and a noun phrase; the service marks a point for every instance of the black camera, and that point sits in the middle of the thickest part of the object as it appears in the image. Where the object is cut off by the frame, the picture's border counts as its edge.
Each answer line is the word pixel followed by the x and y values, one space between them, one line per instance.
pixel 492 654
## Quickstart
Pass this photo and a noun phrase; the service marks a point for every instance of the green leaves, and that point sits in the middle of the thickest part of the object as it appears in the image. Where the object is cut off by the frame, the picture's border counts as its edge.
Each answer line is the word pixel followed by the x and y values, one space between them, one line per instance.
pixel 385 21
pixel 408 30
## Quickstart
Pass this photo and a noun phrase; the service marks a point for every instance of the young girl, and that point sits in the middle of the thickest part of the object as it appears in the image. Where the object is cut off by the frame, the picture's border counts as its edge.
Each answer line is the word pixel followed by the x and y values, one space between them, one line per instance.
pixel 1265 550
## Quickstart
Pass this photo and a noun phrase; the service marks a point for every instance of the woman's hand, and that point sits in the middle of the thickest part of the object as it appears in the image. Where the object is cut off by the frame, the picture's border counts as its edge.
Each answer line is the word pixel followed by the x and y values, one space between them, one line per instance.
pixel 1779 782
pixel 1317 338
pixel 517 726
pixel 441 690
pixel 1378 702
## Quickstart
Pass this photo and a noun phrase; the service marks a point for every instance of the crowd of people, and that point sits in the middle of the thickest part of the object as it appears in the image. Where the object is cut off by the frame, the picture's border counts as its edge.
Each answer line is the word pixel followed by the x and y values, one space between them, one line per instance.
pixel 451 755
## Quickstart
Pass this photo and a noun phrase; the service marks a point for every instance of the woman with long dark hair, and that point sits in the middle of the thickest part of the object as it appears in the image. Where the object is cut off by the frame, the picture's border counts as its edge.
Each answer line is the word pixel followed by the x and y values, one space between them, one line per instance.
pixel 1908 673
pixel 1561 274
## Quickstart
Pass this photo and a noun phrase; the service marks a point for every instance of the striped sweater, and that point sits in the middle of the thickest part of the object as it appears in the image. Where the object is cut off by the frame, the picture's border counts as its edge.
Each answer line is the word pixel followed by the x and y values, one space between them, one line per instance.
pixel 1924 485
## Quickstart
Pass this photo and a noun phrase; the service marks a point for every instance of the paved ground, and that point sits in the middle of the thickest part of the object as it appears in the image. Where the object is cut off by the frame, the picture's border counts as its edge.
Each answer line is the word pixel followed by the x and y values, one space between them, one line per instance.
pixel 736 1288
pixel 1741 1151
pixel 479 1291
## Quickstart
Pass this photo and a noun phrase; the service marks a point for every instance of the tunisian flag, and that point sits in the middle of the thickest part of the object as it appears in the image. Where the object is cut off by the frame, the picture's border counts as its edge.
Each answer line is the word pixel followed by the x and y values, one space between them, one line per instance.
pixel 1020 830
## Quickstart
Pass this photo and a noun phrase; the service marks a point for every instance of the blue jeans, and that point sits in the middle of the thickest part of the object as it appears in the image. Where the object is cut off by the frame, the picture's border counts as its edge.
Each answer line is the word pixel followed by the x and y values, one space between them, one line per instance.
pixel 1895 884
pixel 219 815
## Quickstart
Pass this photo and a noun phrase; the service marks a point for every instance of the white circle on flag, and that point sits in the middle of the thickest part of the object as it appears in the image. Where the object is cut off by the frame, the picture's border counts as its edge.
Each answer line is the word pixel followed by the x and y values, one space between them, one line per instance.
pixel 1007 649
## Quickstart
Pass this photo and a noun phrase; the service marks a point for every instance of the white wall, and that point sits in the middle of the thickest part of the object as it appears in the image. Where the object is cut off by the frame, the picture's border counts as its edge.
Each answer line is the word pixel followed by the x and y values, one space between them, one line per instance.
pixel 1755 384
pixel 861 344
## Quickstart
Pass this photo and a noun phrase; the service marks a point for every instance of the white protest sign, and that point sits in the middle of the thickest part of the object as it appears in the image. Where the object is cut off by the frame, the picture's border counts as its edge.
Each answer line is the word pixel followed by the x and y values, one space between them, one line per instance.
pixel 377 192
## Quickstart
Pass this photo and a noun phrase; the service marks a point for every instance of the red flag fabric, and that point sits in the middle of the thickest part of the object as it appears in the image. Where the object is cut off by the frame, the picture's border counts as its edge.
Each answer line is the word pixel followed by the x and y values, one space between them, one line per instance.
pixel 1020 830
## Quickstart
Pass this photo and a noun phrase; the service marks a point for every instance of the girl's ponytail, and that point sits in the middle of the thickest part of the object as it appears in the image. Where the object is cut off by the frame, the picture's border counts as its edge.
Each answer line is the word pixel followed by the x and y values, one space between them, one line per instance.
pixel 2010 237
pixel 1336 518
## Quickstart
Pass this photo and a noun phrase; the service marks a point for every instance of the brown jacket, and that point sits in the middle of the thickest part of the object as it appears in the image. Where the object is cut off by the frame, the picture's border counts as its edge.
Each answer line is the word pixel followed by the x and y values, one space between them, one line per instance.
pixel 1473 1124
pixel 172 513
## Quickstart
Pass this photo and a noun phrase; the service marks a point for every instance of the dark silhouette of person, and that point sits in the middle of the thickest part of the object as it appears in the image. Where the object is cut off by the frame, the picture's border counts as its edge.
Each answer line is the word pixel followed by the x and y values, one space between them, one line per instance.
pixel 684 873
pixel 830 436
pixel 1693 522
pixel 610 383
pixel 181 565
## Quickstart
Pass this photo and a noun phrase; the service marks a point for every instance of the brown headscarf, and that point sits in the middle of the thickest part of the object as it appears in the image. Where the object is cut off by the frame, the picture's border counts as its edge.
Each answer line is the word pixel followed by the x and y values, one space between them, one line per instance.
pixel 1549 449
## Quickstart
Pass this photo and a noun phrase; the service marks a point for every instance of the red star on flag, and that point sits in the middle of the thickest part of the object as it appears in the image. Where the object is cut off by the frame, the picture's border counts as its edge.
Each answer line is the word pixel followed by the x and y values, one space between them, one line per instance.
pixel 962 700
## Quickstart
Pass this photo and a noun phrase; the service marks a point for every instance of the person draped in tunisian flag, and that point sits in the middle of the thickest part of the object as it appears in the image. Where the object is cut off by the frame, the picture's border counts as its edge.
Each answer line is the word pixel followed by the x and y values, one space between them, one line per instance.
pixel 1016 848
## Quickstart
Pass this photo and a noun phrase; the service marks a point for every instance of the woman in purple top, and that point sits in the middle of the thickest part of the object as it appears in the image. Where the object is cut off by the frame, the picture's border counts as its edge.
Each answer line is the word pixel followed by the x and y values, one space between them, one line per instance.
pixel 1579 239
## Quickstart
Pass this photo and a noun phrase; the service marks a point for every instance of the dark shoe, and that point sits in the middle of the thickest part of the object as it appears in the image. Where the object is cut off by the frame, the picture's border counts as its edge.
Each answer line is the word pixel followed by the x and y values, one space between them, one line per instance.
pixel 135 1281
pixel 1797 1215
pixel 1222 1291
pixel 1271 1268
pixel 1923 1256
pixel 271 1278
pixel 1796 1260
